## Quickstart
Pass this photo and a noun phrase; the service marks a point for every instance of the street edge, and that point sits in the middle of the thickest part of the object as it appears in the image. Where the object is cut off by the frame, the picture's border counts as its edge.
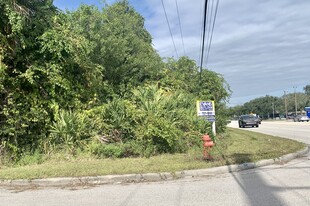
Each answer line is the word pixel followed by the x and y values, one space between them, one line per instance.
pixel 149 177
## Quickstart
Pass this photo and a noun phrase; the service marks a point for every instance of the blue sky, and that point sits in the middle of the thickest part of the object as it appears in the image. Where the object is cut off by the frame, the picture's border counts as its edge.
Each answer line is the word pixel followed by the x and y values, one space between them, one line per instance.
pixel 260 47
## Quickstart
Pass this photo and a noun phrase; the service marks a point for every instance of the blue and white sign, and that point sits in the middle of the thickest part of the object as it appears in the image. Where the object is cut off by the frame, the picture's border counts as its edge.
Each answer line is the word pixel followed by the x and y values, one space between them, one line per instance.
pixel 205 108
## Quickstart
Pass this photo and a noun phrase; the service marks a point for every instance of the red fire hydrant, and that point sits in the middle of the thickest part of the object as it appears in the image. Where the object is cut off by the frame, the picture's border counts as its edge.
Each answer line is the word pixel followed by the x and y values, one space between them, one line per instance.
pixel 207 145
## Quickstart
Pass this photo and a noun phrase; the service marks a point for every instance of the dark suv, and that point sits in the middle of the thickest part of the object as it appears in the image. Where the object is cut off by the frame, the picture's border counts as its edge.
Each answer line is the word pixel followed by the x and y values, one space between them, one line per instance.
pixel 248 120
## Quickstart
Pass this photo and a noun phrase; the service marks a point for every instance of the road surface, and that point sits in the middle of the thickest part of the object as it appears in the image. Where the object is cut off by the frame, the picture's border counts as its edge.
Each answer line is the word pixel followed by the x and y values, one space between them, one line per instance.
pixel 299 131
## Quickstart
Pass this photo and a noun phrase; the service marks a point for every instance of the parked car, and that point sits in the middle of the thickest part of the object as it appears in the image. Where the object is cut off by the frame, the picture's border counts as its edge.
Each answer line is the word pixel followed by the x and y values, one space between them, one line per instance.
pixel 248 120
pixel 301 118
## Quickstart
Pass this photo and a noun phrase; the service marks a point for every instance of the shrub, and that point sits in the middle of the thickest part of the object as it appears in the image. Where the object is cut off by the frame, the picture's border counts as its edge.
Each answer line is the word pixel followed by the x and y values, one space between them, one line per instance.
pixel 69 131
pixel 106 150
pixel 30 158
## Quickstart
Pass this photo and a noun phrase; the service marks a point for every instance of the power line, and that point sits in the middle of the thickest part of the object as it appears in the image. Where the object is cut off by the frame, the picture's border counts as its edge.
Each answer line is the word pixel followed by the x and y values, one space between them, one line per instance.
pixel 208 20
pixel 215 13
pixel 203 34
pixel 169 28
pixel 176 4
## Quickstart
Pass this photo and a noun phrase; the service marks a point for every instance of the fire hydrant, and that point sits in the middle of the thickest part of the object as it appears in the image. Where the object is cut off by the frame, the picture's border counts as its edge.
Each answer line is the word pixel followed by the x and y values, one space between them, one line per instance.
pixel 207 145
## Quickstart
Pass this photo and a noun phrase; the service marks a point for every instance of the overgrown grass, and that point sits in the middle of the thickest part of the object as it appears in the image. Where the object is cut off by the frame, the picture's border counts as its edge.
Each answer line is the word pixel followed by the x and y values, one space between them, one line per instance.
pixel 235 147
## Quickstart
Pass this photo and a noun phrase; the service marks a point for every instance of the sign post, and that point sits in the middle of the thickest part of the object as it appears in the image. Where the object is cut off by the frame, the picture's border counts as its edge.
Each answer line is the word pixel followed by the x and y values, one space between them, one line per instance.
pixel 207 109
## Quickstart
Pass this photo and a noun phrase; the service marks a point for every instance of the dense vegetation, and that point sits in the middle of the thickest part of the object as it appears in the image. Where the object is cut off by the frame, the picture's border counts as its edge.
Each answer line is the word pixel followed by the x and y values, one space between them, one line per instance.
pixel 270 106
pixel 90 81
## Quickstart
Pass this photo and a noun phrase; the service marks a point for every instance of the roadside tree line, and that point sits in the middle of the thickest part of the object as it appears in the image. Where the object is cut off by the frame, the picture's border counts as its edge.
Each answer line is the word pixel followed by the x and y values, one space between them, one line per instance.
pixel 268 106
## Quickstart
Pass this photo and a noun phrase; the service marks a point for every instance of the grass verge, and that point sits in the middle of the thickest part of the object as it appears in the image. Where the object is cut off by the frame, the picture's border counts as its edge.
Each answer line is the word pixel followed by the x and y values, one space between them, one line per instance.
pixel 234 147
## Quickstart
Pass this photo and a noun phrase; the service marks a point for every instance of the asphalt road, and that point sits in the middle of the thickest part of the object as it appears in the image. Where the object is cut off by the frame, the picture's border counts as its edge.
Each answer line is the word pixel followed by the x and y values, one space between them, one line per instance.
pixel 287 184
pixel 299 131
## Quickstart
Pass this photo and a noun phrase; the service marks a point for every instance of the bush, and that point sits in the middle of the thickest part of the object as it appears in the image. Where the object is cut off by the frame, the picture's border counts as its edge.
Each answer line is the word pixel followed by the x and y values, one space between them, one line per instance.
pixel 30 158
pixel 106 150
pixel 69 131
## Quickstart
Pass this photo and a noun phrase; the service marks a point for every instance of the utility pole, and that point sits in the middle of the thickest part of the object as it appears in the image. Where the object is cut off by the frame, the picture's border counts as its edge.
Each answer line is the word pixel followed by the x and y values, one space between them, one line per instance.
pixel 203 36
pixel 285 103
pixel 272 110
pixel 295 99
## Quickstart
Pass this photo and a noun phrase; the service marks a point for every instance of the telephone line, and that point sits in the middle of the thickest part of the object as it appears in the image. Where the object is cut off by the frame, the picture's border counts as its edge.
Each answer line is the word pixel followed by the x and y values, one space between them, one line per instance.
pixel 176 4
pixel 203 35
pixel 169 28
pixel 215 14
pixel 210 21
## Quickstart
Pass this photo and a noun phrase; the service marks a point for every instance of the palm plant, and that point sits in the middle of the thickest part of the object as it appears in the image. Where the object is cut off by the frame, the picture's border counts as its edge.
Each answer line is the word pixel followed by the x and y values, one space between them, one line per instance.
pixel 68 131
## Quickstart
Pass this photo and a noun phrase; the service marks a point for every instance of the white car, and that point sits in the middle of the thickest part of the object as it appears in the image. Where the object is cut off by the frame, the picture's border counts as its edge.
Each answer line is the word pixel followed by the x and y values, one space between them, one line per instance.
pixel 301 118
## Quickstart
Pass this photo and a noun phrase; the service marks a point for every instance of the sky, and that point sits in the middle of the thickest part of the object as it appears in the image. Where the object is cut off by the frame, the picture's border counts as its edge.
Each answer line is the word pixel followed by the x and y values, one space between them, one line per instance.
pixel 260 47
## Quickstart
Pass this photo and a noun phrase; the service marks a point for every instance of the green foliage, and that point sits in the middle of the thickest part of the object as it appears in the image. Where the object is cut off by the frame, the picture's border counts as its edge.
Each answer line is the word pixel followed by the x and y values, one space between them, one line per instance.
pixel 182 75
pixel 69 80
pixel 120 115
pixel 130 58
pixel 106 150
pixel 307 89
pixel 162 124
pixel 31 158
pixel 69 131
pixel 115 150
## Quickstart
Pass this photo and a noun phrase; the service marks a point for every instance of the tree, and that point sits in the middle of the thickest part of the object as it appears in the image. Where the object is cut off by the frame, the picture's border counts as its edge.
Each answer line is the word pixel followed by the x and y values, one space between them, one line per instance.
pixel 307 90
pixel 263 106
pixel 44 67
pixel 183 75
pixel 23 114
pixel 126 48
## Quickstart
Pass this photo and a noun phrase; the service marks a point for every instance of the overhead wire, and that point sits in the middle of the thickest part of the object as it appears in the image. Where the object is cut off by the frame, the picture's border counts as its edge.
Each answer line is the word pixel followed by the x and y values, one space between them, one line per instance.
pixel 176 4
pixel 203 34
pixel 210 20
pixel 175 49
pixel 210 40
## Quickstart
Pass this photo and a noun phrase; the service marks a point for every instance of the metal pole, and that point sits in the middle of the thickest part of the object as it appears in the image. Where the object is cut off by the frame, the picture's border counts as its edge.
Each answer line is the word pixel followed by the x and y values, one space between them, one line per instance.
pixel 295 99
pixel 272 110
pixel 213 128
pixel 285 103
pixel 203 35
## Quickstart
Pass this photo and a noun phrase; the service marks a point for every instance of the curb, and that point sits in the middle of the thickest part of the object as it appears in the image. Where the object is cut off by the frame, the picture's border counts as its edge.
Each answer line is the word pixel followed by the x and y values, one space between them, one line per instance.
pixel 148 177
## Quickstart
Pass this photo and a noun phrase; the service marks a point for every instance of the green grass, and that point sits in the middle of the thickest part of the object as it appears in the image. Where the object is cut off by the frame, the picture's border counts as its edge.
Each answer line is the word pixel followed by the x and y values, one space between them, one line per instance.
pixel 235 147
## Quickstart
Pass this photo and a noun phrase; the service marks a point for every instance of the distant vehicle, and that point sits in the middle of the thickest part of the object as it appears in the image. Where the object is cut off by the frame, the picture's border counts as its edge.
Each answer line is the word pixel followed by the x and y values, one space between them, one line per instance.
pixel 248 120
pixel 291 116
pixel 301 118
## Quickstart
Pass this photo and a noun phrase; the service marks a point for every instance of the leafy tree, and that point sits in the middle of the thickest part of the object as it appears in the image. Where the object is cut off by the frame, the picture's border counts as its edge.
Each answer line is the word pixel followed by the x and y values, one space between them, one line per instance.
pixel 44 67
pixel 23 114
pixel 307 90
